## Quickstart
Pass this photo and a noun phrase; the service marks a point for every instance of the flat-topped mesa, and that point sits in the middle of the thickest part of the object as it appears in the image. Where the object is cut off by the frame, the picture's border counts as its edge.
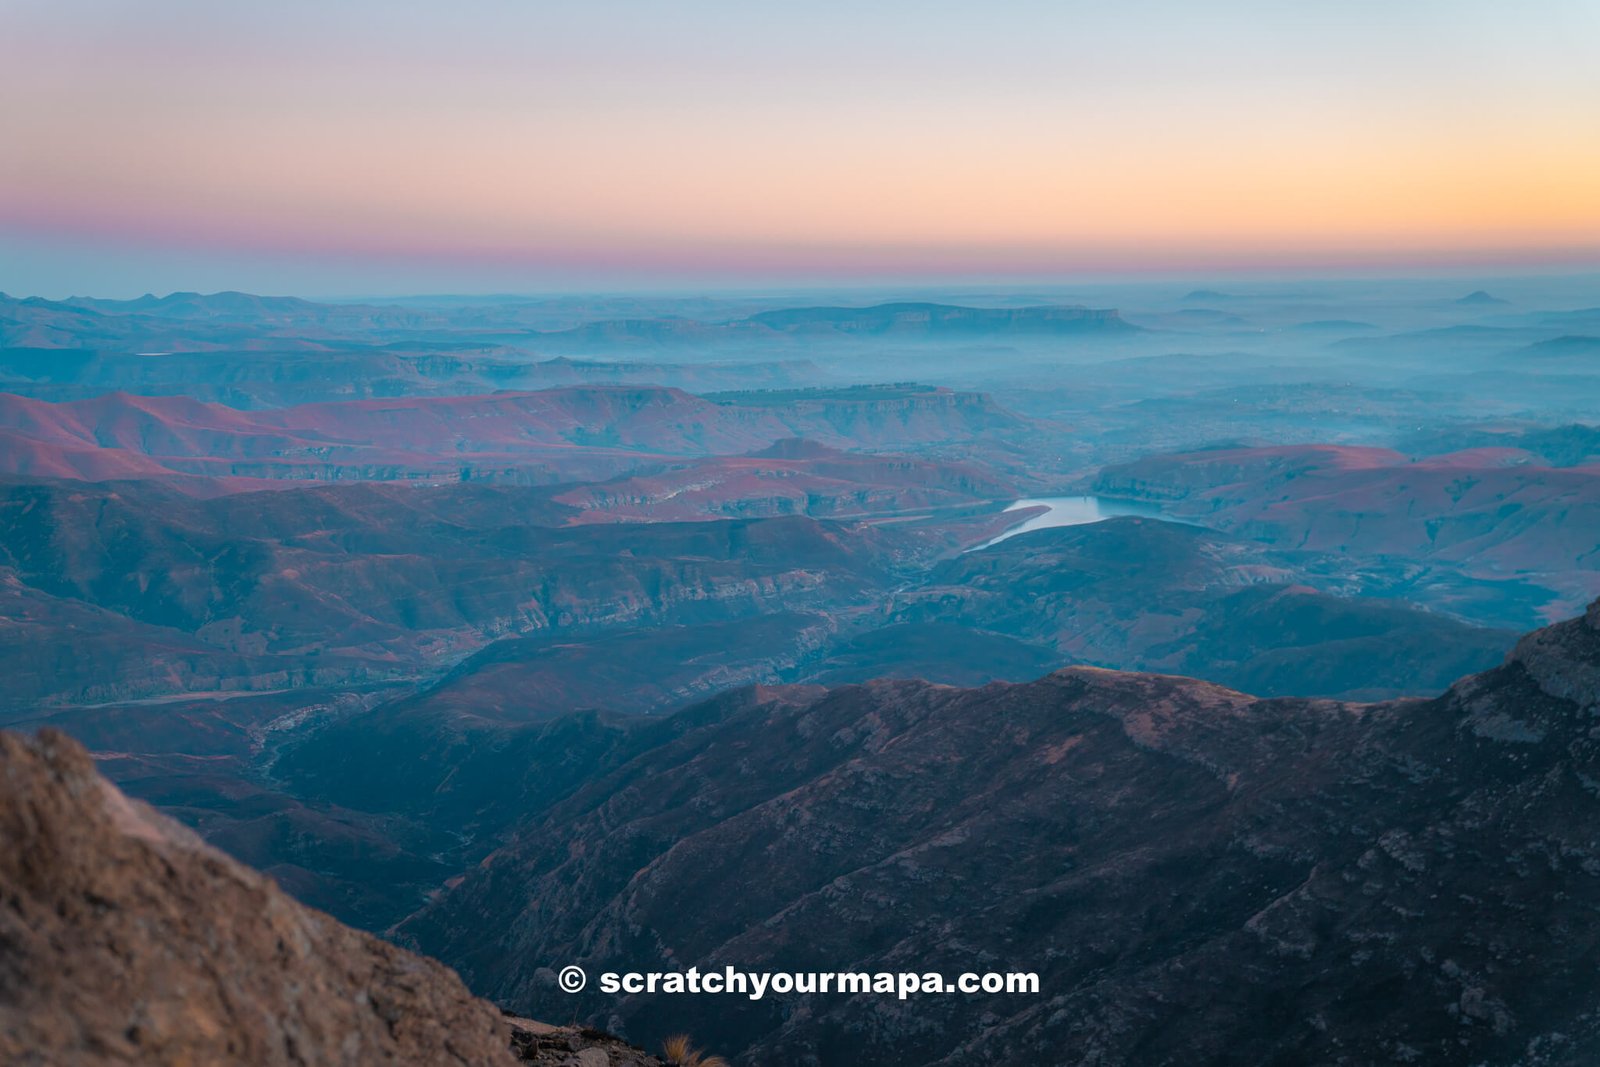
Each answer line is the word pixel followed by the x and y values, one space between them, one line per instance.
pixel 567 433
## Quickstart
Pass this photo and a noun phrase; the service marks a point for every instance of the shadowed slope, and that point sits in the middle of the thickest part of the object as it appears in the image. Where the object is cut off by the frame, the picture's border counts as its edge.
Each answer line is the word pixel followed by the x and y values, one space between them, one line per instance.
pixel 1197 876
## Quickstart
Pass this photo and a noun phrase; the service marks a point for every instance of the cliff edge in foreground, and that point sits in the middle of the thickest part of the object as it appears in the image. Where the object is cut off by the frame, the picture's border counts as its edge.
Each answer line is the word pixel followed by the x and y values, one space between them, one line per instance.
pixel 125 939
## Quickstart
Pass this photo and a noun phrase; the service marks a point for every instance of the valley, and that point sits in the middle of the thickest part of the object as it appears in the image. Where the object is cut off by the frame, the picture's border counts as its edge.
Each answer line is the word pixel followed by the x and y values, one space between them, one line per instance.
pixel 799 535
pixel 766 632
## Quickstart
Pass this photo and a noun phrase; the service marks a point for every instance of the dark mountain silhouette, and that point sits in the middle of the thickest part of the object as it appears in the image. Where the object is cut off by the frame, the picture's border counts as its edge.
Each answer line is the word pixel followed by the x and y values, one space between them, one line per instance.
pixel 1197 876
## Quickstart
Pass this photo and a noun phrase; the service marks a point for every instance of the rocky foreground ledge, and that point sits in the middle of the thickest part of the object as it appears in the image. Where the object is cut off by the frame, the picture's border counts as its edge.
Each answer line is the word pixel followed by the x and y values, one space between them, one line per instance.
pixel 125 939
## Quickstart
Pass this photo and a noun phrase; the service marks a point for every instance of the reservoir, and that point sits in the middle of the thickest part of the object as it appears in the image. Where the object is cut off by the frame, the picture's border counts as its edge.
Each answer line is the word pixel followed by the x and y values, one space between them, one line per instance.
pixel 1073 511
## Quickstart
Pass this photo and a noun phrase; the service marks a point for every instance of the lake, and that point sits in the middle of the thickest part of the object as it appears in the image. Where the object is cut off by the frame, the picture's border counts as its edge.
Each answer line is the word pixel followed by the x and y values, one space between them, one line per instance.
pixel 1074 511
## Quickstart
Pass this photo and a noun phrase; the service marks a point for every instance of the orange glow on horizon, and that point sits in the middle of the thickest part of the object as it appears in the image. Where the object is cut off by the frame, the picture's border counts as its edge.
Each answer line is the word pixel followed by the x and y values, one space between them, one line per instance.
pixel 684 160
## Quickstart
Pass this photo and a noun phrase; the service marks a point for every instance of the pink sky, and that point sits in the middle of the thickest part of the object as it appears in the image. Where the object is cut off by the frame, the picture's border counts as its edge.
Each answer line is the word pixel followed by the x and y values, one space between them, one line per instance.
pixel 705 138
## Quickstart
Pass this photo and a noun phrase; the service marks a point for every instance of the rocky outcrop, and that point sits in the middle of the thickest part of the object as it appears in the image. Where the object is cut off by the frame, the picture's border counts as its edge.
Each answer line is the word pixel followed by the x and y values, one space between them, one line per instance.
pixel 126 940
pixel 1564 659
pixel 573 1046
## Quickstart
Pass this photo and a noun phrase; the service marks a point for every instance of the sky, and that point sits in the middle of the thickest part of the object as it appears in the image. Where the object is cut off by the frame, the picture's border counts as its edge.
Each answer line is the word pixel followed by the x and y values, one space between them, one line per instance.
pixel 490 145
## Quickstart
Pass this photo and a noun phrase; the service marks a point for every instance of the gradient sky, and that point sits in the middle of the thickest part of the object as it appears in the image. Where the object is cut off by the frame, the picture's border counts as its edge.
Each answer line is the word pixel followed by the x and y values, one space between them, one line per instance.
pixel 366 147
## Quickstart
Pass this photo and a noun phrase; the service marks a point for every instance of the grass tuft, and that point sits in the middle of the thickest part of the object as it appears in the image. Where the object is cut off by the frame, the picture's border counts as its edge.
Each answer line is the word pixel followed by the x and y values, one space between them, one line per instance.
pixel 677 1051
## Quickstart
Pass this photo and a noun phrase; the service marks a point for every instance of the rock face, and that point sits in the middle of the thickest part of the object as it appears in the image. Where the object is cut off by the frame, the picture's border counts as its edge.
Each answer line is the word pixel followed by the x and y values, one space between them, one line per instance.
pixel 125 940
pixel 1196 875
pixel 573 1046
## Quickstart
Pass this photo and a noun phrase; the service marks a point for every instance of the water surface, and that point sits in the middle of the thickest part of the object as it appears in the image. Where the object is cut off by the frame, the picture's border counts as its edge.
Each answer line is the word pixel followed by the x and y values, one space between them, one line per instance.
pixel 1073 511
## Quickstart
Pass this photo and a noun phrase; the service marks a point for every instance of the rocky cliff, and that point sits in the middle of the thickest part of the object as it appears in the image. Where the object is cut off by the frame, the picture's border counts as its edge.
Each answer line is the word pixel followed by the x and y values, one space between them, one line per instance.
pixel 126 940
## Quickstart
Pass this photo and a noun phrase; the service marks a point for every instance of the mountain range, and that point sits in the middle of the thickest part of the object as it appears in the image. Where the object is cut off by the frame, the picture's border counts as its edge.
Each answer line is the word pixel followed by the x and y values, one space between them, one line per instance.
pixel 1195 874
pixel 564 434
pixel 651 631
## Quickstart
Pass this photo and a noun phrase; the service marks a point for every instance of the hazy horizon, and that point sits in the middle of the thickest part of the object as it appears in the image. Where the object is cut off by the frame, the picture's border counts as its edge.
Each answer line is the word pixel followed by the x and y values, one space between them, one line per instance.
pixel 1544 285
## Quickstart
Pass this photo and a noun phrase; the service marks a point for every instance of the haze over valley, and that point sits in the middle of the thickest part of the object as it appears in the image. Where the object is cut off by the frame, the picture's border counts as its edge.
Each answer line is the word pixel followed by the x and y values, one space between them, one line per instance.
pixel 363 592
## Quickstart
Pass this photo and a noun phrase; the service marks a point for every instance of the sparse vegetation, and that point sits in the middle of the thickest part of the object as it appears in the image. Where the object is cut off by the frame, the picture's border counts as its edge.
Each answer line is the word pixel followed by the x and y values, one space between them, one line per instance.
pixel 678 1051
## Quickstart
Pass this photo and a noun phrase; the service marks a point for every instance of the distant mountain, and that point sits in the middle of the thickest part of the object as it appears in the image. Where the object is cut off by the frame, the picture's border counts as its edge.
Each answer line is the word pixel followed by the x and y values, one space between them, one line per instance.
pixel 634 669
pixel 233 306
pixel 909 318
pixel 1194 318
pixel 1573 445
pixel 1578 319
pixel 1569 346
pixel 196 322
pixel 693 377
pixel 289 373
pixel 584 432
pixel 1334 326
pixel 1197 876
pixel 1463 339
pixel 792 477
pixel 1141 594
pixel 1480 298
pixel 1499 519
pixel 186 322
pixel 942 652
